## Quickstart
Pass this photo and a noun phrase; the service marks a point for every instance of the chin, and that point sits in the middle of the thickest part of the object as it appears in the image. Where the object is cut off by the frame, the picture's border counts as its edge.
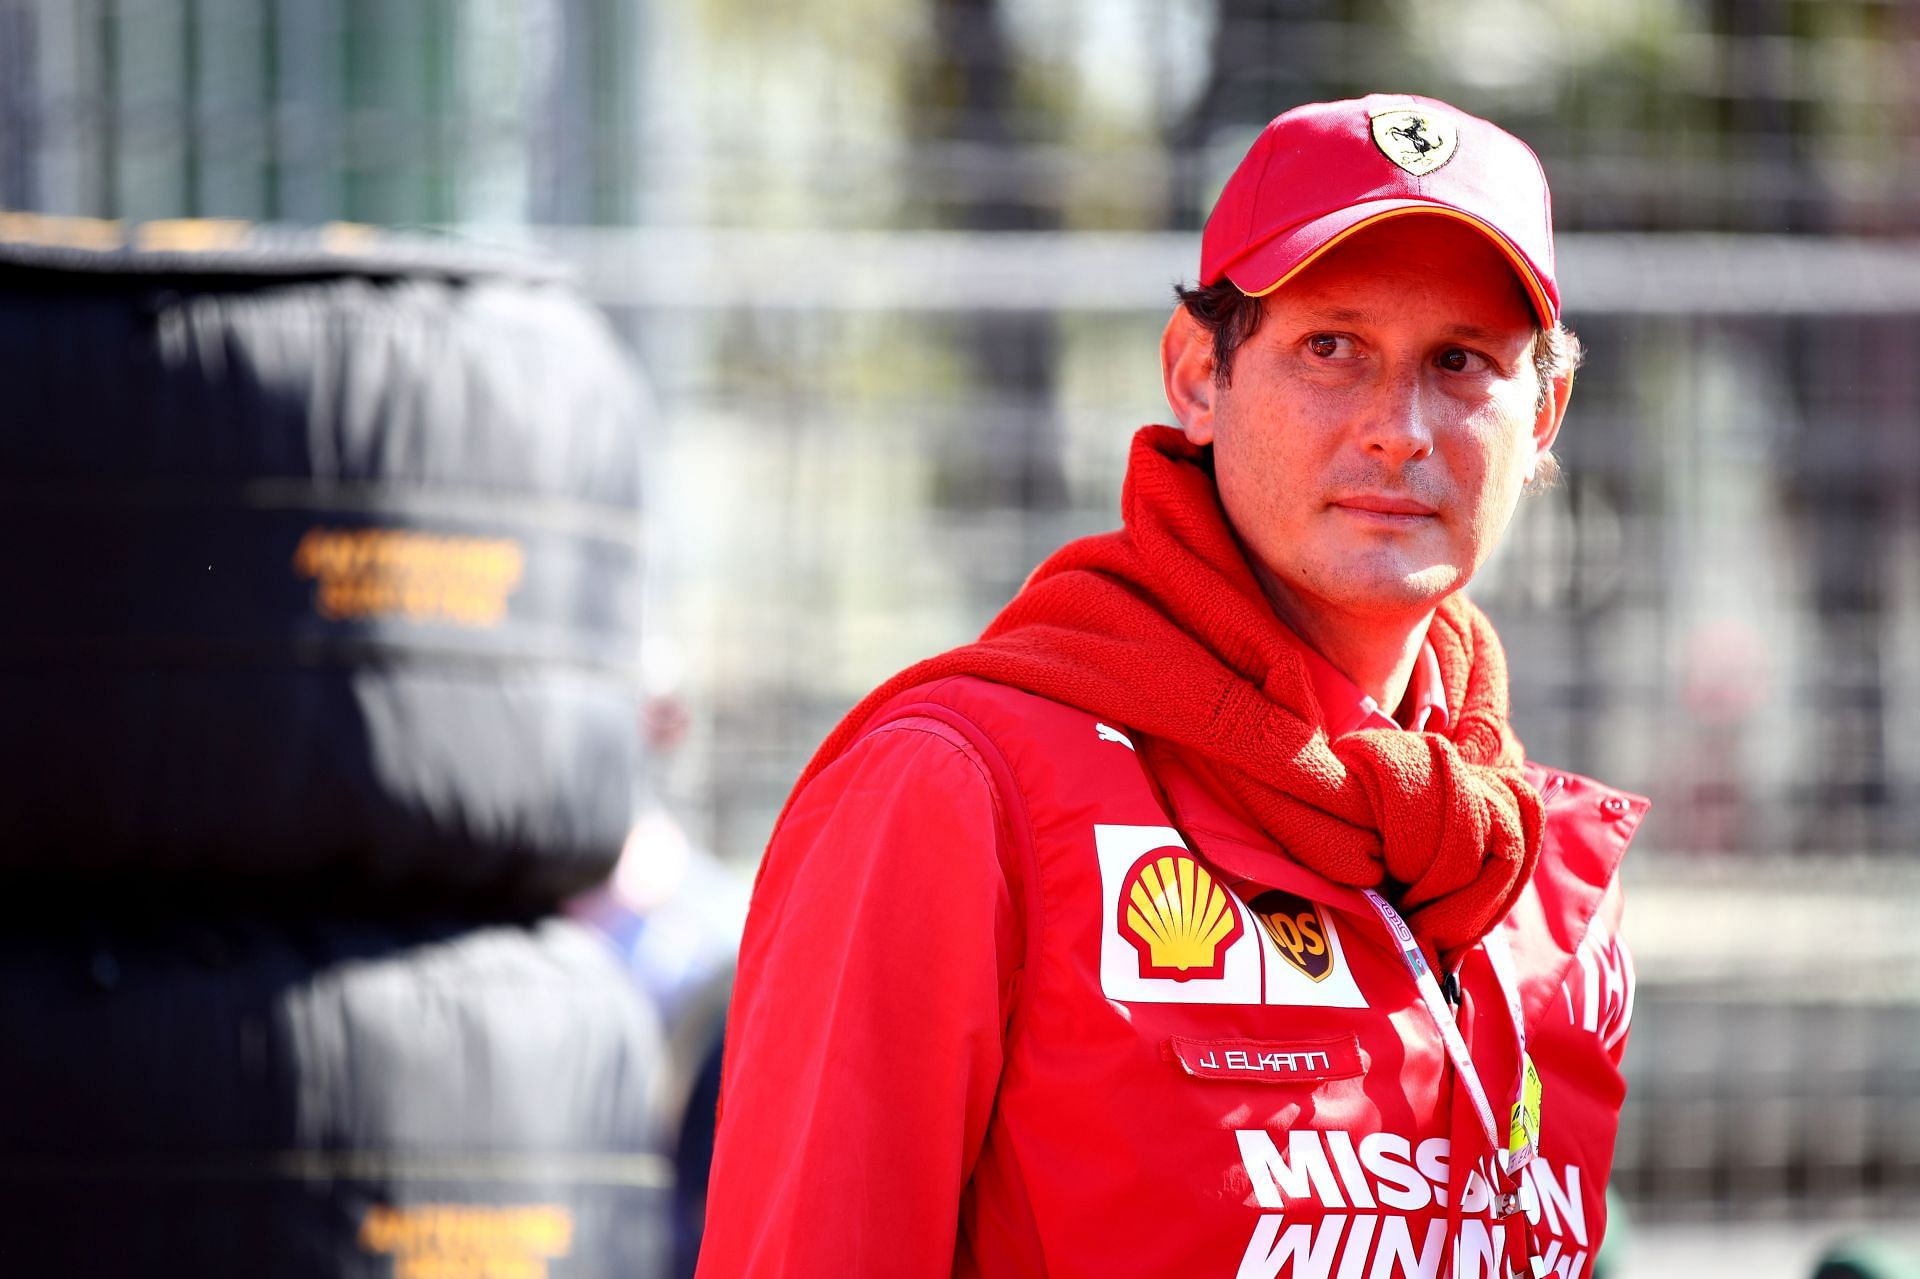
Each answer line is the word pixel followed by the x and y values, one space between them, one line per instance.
pixel 1408 600
pixel 1403 589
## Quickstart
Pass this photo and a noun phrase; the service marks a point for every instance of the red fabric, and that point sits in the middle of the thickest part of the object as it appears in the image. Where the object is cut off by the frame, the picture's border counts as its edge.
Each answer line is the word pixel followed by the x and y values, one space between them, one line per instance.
pixel 864 1038
pixel 1318 172
pixel 1161 626
pixel 928 1078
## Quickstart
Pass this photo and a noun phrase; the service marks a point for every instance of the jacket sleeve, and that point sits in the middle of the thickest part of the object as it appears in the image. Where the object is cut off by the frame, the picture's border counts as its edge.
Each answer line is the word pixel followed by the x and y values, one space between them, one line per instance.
pixel 864 1042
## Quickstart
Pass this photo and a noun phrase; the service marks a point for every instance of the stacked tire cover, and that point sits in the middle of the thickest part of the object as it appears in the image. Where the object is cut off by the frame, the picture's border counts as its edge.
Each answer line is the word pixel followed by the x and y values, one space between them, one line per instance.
pixel 320 572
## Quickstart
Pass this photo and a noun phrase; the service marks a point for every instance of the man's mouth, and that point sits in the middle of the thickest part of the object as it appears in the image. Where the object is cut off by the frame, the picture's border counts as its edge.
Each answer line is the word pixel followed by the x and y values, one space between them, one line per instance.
pixel 1384 504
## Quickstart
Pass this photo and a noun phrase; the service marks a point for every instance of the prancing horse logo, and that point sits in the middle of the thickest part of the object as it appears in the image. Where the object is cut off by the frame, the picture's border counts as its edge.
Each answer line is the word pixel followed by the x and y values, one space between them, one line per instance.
pixel 1417 141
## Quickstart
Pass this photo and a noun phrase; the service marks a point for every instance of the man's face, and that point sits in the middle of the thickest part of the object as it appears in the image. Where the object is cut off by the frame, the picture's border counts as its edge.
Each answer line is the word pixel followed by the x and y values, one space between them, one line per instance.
pixel 1380 422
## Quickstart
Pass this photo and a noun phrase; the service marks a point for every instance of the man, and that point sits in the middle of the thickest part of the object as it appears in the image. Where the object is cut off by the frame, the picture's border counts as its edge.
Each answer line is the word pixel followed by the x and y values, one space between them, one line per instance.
pixel 1138 938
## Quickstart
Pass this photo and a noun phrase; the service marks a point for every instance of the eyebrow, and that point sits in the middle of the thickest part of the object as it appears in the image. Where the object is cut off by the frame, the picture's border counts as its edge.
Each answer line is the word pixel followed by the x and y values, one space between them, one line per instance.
pixel 1350 315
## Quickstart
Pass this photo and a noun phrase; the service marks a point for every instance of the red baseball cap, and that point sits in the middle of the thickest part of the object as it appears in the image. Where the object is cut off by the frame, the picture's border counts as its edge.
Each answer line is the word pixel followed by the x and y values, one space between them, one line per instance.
pixel 1321 172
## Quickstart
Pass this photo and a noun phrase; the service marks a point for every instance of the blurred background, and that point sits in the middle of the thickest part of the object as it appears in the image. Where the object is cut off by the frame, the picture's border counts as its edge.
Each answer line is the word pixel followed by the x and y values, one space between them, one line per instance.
pixel 896 269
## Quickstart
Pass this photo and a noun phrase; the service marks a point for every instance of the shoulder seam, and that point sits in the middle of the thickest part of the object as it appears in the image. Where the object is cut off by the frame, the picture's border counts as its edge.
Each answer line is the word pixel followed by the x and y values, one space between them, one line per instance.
pixel 931 726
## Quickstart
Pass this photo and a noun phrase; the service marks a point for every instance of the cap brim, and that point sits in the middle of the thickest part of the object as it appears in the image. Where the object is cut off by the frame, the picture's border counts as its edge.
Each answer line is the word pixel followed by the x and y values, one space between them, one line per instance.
pixel 1282 258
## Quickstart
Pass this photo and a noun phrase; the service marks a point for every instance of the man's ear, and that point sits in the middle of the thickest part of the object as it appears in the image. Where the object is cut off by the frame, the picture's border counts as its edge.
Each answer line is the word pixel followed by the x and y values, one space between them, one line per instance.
pixel 1186 370
pixel 1546 423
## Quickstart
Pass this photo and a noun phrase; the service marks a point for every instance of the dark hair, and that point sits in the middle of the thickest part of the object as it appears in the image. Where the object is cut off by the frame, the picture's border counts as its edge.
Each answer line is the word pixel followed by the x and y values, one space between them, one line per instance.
pixel 1232 317
pixel 1225 312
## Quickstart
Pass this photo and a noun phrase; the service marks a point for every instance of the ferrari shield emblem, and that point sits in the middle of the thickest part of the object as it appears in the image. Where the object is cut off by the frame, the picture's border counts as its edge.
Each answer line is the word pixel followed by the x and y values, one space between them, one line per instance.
pixel 1293 924
pixel 1417 141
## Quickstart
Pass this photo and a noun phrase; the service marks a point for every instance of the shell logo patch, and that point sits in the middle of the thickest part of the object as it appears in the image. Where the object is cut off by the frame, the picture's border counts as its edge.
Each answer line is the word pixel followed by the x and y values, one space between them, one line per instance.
pixel 1417 141
pixel 1177 917
pixel 1298 932
pixel 1140 875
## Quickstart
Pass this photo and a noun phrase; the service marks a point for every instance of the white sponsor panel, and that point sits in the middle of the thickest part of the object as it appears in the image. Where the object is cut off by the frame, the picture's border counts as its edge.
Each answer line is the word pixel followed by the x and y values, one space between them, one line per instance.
pixel 1120 847
pixel 1286 984
pixel 1254 970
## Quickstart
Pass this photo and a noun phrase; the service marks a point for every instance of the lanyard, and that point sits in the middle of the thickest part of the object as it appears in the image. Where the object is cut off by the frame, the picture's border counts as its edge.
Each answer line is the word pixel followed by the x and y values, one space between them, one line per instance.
pixel 1523 1129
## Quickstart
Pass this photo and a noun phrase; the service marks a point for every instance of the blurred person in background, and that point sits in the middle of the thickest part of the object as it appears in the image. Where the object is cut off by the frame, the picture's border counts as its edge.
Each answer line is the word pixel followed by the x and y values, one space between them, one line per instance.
pixel 1205 917
pixel 673 912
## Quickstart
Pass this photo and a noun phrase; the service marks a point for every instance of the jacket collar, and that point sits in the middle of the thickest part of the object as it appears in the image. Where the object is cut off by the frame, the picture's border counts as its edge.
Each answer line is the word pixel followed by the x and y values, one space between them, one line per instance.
pixel 1345 709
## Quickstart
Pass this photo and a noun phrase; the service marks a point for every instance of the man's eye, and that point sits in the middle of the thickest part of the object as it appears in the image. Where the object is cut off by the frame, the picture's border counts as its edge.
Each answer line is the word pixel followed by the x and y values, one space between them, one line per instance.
pixel 1457 359
pixel 1330 346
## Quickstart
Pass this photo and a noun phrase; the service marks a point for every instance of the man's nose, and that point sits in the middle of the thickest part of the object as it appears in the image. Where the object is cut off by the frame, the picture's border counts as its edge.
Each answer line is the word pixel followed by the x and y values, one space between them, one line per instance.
pixel 1397 429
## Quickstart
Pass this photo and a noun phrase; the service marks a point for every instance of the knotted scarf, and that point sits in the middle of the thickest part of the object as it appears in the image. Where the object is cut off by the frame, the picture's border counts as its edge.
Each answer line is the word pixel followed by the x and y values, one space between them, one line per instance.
pixel 1161 626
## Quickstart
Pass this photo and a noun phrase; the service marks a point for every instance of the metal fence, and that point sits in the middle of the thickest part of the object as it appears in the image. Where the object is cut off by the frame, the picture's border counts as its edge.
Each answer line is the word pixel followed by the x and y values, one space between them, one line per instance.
pixel 1718 607
pixel 897 278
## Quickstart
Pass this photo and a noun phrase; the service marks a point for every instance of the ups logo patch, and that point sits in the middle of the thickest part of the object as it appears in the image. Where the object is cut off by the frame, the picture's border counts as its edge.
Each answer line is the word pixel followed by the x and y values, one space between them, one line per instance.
pixel 1295 927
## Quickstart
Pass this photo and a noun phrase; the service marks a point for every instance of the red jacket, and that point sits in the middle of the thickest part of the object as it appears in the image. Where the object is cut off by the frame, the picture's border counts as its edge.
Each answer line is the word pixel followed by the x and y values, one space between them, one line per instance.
pixel 964 1041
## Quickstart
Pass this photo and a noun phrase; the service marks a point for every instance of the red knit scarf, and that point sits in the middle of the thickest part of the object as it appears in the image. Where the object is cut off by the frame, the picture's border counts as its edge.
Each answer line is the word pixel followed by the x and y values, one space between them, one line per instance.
pixel 1162 627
